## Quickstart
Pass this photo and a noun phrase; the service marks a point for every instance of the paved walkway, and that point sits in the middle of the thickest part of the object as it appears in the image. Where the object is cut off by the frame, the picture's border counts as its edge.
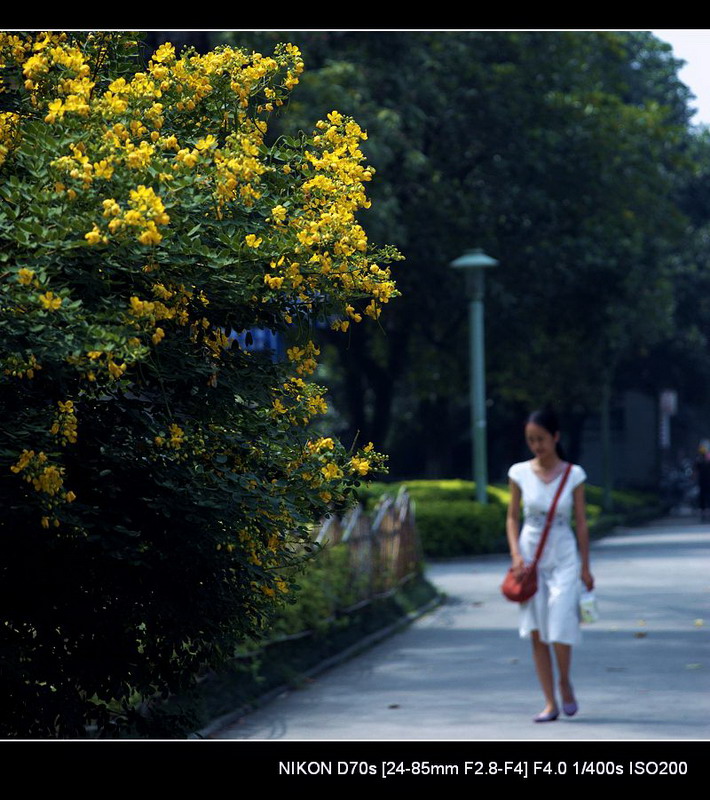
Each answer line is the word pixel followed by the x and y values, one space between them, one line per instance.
pixel 462 673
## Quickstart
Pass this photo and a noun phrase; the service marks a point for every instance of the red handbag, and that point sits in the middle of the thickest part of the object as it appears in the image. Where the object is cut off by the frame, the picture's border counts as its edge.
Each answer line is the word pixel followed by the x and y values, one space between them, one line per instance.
pixel 521 586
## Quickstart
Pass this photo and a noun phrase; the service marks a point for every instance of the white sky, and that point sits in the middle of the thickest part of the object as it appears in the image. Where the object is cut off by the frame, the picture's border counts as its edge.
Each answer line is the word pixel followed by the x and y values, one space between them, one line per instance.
pixel 693 46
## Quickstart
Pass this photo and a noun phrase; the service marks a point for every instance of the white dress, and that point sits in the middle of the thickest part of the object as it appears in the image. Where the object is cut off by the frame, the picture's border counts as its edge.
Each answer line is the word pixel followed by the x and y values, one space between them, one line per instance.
pixel 554 609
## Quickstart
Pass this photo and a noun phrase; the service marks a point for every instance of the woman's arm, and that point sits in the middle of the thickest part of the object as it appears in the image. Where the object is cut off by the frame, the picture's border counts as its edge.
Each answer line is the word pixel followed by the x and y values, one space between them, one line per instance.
pixel 512 525
pixel 580 518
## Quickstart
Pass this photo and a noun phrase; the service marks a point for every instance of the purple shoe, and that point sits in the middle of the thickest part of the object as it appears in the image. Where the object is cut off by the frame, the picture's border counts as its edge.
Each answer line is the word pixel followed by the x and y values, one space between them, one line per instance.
pixel 570 708
pixel 546 716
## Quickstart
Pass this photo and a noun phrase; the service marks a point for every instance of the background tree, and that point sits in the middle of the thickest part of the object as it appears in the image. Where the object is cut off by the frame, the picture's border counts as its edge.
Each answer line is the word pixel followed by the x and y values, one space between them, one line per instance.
pixel 561 154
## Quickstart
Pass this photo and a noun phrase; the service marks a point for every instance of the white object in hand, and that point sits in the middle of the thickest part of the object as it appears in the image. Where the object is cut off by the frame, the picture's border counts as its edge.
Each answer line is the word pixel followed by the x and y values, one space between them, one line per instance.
pixel 588 611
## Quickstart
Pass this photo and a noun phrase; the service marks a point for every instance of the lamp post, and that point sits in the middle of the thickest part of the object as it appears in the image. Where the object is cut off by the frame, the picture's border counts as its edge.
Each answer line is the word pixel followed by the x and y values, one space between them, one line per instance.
pixel 473 264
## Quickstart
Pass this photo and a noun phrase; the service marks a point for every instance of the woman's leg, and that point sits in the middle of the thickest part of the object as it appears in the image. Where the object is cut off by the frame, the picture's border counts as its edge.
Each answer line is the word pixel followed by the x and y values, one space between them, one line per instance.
pixel 563 656
pixel 543 667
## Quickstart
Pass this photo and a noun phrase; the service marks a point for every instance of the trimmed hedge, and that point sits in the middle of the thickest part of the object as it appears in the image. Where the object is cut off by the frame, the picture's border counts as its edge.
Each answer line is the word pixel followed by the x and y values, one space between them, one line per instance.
pixel 451 522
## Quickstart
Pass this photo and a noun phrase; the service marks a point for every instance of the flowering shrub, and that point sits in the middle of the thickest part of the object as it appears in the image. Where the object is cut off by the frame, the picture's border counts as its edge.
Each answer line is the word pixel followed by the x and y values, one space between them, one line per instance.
pixel 157 478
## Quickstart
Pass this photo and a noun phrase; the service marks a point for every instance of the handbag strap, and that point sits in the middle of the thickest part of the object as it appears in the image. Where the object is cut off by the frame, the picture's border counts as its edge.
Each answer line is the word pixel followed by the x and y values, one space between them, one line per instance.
pixel 551 514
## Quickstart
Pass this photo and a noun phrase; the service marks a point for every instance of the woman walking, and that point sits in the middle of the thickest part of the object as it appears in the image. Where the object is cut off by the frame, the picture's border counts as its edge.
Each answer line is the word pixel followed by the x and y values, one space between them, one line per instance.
pixel 551 617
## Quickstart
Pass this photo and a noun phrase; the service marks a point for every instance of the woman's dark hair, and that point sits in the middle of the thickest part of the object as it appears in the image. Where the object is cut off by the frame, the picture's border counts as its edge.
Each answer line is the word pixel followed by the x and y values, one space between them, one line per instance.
pixel 547 419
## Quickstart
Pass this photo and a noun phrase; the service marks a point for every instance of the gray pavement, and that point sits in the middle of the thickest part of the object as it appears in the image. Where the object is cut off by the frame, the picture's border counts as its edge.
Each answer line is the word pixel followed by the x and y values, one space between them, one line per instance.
pixel 461 672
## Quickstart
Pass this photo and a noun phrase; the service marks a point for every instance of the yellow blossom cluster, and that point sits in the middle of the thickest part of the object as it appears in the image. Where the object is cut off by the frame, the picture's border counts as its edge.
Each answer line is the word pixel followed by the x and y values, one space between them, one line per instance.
pixel 238 167
pixel 14 49
pixel 290 274
pixel 27 277
pixel 360 465
pixel 131 112
pixel 65 423
pixel 332 471
pixel 175 437
pixel 50 64
pixel 299 402
pixel 144 214
pixel 172 305
pixel 333 190
pixel 49 301
pixel 323 461
pixel 325 226
pixel 304 357
pixel 79 167
pixel 46 478
pixel 19 367
pixel 319 445
pixel 96 358
pixel 182 442
pixel 9 133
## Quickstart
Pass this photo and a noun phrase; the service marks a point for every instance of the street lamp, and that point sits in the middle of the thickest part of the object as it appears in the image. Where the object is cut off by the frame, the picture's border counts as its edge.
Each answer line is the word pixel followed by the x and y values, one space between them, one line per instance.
pixel 474 263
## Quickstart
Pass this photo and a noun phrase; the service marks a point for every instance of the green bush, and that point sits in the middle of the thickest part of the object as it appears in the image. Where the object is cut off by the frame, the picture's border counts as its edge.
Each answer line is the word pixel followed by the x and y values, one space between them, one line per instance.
pixel 460 527
pixel 159 477
pixel 325 588
pixel 449 520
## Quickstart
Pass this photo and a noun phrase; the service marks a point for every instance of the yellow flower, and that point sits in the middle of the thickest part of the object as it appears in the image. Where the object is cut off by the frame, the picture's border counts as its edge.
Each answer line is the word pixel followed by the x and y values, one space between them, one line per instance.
pixel 360 465
pixel 102 169
pixel 116 370
pixel 278 213
pixel 50 301
pixel 150 235
pixel 189 159
pixel 206 143
pixel 25 276
pixel 94 236
pixel 24 460
pixel 332 471
pixel 158 335
pixel 177 436
pixel 252 240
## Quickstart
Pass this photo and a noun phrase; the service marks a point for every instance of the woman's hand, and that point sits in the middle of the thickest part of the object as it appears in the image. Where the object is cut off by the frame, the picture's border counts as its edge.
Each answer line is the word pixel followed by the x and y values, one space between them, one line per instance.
pixel 518 564
pixel 587 579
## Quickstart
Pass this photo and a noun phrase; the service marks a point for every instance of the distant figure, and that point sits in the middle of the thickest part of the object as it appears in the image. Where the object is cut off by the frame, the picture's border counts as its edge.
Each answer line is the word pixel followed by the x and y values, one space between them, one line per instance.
pixel 702 475
pixel 551 617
